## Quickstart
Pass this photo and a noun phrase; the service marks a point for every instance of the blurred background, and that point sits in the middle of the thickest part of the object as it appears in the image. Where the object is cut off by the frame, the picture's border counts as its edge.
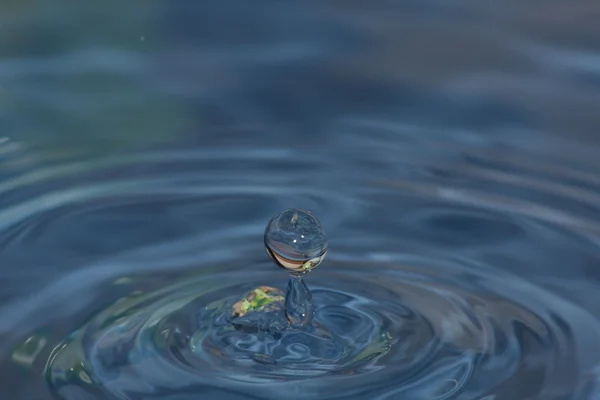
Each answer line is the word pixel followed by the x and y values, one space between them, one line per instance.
pixel 152 138
pixel 83 80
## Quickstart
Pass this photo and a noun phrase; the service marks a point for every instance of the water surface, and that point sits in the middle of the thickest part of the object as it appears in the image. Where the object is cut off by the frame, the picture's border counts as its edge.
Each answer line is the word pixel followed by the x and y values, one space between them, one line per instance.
pixel 450 149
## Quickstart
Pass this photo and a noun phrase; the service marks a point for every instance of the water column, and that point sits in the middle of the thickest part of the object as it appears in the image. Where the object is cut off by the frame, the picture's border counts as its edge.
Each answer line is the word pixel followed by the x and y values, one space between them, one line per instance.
pixel 296 242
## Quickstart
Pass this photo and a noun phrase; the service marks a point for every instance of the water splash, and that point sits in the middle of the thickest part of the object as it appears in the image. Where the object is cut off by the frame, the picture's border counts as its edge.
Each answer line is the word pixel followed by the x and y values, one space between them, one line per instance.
pixel 299 307
pixel 296 241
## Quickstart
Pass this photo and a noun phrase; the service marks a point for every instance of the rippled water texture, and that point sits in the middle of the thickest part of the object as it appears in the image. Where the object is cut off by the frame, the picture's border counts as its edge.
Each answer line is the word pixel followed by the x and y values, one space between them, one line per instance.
pixel 450 150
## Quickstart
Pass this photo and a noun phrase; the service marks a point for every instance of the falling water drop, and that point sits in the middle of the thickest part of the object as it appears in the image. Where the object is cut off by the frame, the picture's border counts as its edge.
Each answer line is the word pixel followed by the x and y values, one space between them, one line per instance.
pixel 296 242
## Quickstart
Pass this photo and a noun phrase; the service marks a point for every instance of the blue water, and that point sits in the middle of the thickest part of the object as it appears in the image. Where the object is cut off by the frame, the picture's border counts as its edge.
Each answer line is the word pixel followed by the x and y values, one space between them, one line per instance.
pixel 449 148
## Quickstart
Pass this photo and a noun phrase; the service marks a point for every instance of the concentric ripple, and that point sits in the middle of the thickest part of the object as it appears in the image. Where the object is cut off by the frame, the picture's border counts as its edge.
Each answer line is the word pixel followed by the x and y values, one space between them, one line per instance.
pixel 436 286
pixel 403 333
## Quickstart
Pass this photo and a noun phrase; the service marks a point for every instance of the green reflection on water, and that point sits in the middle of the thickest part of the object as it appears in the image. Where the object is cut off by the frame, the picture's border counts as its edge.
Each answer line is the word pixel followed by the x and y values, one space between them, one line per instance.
pixel 77 80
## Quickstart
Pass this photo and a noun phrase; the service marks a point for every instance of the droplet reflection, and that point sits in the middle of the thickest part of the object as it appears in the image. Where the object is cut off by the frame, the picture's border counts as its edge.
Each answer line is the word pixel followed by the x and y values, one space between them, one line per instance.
pixel 295 240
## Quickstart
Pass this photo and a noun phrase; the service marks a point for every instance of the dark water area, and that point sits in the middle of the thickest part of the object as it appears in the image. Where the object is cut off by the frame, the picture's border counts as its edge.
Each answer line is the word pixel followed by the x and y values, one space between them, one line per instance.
pixel 450 149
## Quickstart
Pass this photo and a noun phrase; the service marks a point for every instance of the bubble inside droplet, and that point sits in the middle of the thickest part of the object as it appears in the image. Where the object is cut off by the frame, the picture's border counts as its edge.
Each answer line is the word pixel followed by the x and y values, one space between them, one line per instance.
pixel 295 240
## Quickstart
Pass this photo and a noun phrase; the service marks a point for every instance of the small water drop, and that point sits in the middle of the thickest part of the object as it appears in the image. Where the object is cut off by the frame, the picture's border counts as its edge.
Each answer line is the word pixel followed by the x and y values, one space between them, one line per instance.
pixel 295 240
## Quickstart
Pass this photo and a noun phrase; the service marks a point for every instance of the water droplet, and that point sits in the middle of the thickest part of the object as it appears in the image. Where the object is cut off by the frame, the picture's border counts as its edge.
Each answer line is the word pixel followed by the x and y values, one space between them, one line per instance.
pixel 295 240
